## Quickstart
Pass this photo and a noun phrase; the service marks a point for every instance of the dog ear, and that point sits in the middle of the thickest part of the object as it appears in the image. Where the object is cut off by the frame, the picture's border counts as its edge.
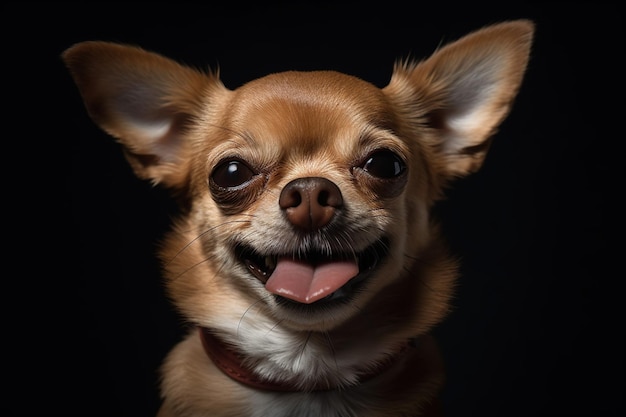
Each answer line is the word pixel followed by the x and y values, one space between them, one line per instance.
pixel 463 91
pixel 144 100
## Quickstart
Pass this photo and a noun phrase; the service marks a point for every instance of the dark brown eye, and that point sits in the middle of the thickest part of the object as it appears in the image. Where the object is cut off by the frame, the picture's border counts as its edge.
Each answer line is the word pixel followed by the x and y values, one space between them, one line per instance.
pixel 232 173
pixel 384 164
pixel 234 185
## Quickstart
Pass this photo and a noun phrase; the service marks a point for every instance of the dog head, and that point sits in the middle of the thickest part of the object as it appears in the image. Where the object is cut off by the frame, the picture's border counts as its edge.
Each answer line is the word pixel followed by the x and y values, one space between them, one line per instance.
pixel 307 195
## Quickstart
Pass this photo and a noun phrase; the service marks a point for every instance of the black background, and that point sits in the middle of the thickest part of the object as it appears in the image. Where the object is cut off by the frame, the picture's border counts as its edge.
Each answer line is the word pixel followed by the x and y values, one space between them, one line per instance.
pixel 536 327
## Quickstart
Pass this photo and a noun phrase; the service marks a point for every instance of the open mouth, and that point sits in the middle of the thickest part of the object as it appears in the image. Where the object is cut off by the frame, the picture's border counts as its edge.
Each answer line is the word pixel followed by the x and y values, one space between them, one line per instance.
pixel 313 277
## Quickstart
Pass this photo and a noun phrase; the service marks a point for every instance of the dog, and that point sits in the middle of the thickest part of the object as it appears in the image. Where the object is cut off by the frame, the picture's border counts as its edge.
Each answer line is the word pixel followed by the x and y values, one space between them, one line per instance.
pixel 306 258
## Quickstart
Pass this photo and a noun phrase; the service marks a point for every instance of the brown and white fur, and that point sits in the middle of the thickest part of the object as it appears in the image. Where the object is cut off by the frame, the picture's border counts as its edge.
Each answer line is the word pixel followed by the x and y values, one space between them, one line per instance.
pixel 313 169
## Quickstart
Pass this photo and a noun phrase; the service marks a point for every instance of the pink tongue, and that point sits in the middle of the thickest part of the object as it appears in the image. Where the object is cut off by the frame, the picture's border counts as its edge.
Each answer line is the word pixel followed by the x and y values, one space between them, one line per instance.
pixel 306 283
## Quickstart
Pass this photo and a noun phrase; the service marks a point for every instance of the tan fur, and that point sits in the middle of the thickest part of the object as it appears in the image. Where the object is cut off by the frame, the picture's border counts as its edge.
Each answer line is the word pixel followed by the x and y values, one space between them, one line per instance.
pixel 178 125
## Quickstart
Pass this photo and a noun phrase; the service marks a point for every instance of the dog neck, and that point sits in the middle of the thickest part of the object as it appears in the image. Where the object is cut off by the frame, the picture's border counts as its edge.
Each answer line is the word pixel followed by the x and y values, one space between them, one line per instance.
pixel 231 363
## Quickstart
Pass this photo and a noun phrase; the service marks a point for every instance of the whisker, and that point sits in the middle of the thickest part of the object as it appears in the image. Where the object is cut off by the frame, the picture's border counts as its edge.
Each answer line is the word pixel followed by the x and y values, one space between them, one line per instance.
pixel 275 326
pixel 181 250
pixel 421 281
pixel 331 348
pixel 189 269
pixel 217 272
pixel 245 313
pixel 304 345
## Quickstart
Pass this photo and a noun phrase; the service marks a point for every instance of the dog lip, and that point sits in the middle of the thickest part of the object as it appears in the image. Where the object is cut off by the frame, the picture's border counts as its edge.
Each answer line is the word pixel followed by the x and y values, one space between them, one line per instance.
pixel 262 274
pixel 261 266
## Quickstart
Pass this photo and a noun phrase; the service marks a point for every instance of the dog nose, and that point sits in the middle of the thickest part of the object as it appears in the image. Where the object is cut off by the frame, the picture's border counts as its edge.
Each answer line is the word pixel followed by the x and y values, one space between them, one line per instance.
pixel 310 203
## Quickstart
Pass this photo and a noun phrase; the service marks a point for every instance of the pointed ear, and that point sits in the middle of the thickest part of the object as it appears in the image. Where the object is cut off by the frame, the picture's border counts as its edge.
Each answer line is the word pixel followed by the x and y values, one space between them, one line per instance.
pixel 144 100
pixel 464 91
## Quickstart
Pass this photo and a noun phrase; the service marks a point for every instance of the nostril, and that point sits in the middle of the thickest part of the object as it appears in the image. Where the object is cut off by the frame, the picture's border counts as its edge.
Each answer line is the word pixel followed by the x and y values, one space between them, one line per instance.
pixel 322 198
pixel 290 197
pixel 329 196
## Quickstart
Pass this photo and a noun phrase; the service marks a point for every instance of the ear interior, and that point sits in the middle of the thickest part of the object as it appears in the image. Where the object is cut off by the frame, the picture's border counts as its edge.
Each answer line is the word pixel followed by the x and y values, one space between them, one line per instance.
pixel 464 91
pixel 144 100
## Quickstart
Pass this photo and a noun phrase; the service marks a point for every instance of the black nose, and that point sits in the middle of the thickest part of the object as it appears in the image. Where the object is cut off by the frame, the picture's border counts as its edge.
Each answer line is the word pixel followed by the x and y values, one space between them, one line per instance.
pixel 310 203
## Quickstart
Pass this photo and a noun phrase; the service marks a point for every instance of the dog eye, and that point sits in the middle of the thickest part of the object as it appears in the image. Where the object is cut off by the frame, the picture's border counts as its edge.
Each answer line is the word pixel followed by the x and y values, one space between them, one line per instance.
pixel 232 173
pixel 384 164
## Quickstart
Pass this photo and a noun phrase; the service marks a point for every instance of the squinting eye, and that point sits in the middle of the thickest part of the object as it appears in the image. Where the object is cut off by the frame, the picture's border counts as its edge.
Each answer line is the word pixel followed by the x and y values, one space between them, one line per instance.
pixel 384 164
pixel 232 173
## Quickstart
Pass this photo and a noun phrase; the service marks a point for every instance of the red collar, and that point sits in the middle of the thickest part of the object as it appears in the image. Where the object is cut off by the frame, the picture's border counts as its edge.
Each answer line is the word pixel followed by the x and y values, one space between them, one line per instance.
pixel 230 362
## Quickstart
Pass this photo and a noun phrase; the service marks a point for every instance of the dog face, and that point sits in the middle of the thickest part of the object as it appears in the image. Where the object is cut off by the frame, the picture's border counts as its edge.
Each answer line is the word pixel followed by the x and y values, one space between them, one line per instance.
pixel 303 195
pixel 307 195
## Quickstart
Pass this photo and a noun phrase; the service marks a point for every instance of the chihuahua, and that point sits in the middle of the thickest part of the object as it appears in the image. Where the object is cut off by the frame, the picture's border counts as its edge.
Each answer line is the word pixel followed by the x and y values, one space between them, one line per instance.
pixel 306 257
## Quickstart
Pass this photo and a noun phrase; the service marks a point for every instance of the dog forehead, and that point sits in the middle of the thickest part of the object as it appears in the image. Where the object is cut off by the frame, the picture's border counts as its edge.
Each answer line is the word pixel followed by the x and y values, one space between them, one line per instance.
pixel 309 86
pixel 311 109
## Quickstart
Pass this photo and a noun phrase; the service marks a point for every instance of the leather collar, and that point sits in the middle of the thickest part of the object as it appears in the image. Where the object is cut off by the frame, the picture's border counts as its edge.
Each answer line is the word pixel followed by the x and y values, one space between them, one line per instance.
pixel 231 362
